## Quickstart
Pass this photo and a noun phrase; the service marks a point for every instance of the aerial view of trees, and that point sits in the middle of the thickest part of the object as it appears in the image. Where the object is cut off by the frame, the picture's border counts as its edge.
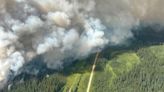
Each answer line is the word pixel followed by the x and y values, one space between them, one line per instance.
pixel 131 71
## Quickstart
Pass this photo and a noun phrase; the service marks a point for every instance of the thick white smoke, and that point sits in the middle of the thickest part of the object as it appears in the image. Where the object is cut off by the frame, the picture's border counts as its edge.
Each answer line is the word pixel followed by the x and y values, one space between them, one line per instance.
pixel 52 28
pixel 61 29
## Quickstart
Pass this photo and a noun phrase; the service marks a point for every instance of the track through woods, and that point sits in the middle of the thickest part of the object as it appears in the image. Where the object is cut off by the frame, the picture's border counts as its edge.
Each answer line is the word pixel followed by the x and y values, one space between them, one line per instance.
pixel 92 72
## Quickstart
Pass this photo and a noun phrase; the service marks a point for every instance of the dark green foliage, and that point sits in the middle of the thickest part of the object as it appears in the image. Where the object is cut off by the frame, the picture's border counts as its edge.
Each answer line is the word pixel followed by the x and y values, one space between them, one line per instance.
pixel 146 77
pixel 82 87
pixel 53 83
pixel 134 71
pixel 101 82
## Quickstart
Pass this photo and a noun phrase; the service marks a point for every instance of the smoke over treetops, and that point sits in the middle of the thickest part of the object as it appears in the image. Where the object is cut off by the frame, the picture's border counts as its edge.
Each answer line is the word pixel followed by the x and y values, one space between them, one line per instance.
pixel 60 29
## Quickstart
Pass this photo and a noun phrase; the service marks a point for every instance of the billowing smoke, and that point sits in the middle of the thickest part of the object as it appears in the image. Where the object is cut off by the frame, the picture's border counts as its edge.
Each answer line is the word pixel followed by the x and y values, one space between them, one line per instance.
pixel 61 29
pixel 122 15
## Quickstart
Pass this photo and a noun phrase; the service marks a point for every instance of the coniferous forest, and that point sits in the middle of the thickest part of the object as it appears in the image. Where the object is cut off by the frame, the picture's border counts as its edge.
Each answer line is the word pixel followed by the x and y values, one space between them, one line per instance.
pixel 139 70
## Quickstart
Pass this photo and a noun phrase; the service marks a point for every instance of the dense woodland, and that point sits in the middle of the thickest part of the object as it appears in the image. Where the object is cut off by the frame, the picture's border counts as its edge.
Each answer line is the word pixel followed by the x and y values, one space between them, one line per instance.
pixel 139 70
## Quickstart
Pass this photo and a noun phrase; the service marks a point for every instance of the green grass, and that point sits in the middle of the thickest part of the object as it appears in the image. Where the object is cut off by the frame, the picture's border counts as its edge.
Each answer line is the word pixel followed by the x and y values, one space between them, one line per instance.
pixel 103 81
pixel 158 51
pixel 123 63
pixel 72 82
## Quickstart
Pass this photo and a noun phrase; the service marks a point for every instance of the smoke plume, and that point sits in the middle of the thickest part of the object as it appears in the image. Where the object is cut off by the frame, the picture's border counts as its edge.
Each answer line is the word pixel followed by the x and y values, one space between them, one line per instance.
pixel 61 29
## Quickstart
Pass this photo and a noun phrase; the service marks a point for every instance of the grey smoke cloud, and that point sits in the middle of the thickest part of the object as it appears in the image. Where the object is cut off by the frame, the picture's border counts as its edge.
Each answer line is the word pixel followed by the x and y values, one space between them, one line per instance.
pixel 61 29
pixel 122 15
